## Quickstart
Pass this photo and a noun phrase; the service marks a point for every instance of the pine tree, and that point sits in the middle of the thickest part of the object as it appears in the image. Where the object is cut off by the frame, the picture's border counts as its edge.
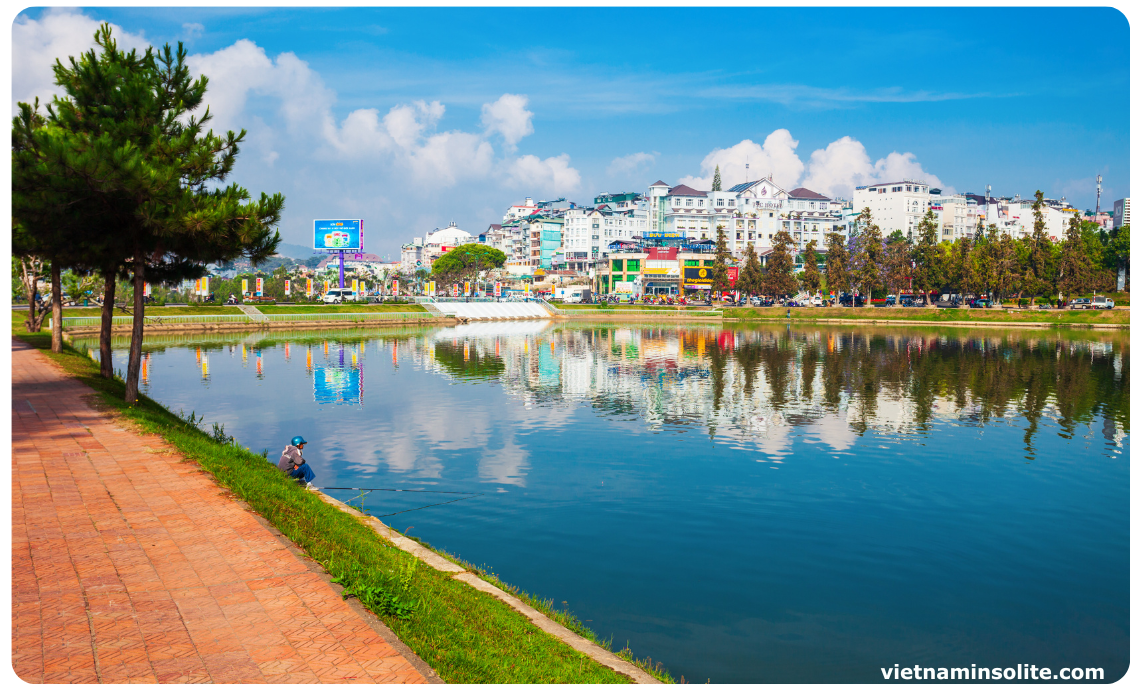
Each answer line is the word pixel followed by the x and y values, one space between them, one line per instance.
pixel 838 278
pixel 779 272
pixel 125 117
pixel 750 281
pixel 810 279
pixel 720 282
pixel 896 265
pixel 925 254
pixel 866 260
pixel 1074 274
pixel 716 178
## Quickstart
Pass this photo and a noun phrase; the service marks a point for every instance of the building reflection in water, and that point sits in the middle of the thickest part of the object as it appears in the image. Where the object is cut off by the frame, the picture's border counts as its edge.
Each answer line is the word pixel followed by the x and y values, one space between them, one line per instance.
pixel 765 385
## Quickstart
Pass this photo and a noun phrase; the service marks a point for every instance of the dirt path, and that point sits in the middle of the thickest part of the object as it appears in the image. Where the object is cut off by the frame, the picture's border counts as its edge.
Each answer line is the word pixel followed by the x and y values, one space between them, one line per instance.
pixel 129 564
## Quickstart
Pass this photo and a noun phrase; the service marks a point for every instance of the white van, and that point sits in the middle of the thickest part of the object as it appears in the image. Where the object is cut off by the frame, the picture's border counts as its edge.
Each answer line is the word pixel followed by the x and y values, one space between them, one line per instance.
pixel 338 296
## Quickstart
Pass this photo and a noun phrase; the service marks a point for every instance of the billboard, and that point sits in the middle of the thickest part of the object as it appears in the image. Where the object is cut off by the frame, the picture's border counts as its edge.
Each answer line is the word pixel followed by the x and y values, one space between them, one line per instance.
pixel 338 234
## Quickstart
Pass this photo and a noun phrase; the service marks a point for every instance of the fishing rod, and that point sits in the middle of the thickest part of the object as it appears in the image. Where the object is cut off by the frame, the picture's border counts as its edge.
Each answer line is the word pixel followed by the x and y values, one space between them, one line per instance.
pixel 465 496
pixel 414 491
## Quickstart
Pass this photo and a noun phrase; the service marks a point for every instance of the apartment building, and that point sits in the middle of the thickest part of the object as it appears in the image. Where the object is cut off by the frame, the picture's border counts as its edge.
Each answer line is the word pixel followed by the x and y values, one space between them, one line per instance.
pixel 895 206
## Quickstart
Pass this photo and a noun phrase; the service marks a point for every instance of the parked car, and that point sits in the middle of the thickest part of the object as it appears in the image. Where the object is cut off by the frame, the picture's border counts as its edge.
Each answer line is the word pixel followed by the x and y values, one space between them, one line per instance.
pixel 817 301
pixel 1080 303
pixel 846 300
pixel 337 295
pixel 1102 302
pixel 980 303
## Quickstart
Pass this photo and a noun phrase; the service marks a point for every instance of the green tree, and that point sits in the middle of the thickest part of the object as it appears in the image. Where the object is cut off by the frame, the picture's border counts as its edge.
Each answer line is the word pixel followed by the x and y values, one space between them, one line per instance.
pixel 779 273
pixel 1075 270
pixel 1036 278
pixel 1116 254
pixel 1006 267
pixel 750 280
pixel 867 256
pixel 838 277
pixel 122 140
pixel 810 278
pixel 720 282
pixel 464 263
pixel 716 178
pixel 926 257
pixel 27 272
pixel 896 263
pixel 959 272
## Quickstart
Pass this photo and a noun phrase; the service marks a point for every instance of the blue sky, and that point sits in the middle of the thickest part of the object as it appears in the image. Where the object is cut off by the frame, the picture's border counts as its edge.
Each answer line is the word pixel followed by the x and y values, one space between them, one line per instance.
pixel 411 118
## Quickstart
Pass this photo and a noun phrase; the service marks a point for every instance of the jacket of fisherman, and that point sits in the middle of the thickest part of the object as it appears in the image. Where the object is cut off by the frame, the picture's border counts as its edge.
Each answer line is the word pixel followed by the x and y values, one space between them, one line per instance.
pixel 289 457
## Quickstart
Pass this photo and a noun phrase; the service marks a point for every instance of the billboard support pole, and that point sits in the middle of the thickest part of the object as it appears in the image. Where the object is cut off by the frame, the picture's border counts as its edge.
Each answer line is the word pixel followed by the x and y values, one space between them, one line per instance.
pixel 342 269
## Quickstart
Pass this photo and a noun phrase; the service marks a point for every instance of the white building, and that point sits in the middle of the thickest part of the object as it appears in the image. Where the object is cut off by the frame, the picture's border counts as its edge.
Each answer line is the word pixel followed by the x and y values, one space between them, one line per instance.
pixel 423 252
pixel 588 231
pixel 752 212
pixel 897 206
pixel 956 216
pixel 520 211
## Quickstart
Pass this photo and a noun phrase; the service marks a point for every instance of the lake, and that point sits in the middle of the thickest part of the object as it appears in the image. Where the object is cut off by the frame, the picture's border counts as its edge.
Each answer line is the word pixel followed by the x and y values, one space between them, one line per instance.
pixel 745 503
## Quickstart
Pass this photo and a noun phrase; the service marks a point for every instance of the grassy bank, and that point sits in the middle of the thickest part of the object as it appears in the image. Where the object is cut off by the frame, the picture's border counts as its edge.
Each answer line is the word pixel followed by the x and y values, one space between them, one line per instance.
pixel 466 635
pixel 936 315
pixel 95 311
pixel 343 308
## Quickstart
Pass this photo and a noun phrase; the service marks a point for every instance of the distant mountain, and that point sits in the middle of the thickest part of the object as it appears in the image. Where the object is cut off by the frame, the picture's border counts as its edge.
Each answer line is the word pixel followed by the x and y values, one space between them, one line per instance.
pixel 295 251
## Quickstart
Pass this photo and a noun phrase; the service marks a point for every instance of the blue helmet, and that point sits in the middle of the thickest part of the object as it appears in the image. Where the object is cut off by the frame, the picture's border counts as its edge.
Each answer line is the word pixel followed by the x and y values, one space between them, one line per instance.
pixel 298 440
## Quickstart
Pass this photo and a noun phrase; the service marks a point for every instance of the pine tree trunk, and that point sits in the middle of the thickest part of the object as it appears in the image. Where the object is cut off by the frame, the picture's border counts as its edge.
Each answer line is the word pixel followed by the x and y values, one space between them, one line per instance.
pixel 134 361
pixel 56 310
pixel 106 366
pixel 34 321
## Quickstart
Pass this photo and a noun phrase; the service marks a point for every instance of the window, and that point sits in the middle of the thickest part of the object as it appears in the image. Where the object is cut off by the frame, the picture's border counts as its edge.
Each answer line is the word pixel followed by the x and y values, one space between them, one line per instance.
pixel 692 263
pixel 689 202
pixel 811 205
pixel 720 202
pixel 700 203
pixel 709 263
pixel 731 203
pixel 633 265
pixel 616 266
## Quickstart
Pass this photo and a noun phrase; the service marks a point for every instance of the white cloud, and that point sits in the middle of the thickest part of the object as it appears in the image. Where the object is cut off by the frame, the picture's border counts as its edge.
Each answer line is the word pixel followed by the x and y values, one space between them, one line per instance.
pixel 508 117
pixel 552 175
pixel 834 171
pixel 777 156
pixel 844 164
pixel 630 163
pixel 58 33
pixel 193 30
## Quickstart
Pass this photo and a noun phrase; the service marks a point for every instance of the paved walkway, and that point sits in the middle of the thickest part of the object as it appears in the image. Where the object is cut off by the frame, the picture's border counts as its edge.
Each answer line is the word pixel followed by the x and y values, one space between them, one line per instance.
pixel 130 564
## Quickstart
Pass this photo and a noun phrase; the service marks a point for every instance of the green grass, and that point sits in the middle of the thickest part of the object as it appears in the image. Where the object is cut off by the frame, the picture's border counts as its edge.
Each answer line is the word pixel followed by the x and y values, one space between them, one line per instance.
pixel 197 310
pixel 343 308
pixel 467 636
pixel 937 315
pixel 629 307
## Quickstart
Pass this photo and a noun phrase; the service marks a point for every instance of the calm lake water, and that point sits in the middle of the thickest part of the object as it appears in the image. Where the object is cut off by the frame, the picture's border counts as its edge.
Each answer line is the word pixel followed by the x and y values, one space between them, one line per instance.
pixel 748 504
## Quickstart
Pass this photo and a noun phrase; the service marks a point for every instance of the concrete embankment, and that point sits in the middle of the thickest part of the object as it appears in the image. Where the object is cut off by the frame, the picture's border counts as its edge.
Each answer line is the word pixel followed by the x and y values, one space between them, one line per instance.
pixel 158 327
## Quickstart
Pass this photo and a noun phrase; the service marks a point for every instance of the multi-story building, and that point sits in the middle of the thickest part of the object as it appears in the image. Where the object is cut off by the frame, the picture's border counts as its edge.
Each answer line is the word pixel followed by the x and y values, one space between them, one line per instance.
pixel 752 212
pixel 1122 213
pixel 635 269
pixel 614 217
pixel 422 252
pixel 897 206
pixel 545 233
pixel 956 216
pixel 520 211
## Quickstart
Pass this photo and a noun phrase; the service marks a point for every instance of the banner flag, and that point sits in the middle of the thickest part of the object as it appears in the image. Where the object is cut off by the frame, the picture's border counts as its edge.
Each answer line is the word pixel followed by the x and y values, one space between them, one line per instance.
pixel 245 286
pixel 287 287
pixel 309 287
pixel 260 285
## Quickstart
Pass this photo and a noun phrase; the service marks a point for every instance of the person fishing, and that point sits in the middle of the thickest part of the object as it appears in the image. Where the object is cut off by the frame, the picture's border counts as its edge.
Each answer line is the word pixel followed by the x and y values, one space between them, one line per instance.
pixel 294 465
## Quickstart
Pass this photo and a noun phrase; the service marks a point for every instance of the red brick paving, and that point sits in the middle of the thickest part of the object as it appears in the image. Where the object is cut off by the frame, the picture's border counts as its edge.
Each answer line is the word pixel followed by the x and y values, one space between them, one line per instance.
pixel 129 564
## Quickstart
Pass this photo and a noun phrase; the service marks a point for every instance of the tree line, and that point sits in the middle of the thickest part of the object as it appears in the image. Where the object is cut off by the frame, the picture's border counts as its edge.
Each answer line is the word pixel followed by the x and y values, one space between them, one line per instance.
pixel 119 177
pixel 991 262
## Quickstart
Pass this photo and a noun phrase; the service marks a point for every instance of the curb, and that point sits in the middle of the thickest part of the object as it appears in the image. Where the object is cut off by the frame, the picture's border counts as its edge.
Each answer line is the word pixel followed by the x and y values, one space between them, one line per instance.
pixel 578 643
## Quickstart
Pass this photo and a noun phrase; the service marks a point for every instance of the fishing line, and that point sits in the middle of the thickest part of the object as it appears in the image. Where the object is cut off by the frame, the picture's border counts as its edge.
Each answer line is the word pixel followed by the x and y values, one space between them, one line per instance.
pixel 467 495
pixel 414 491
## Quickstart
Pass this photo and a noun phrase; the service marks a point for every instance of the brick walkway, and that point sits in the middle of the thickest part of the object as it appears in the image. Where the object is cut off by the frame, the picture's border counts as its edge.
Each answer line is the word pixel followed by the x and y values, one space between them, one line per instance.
pixel 131 565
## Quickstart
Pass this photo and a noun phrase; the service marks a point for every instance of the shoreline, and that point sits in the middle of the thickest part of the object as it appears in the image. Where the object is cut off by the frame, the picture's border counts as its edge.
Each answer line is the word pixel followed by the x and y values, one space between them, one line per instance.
pixel 242 472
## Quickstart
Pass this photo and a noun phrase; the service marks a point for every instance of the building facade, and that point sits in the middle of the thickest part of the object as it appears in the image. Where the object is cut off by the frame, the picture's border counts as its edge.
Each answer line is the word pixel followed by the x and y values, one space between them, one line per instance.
pixel 897 206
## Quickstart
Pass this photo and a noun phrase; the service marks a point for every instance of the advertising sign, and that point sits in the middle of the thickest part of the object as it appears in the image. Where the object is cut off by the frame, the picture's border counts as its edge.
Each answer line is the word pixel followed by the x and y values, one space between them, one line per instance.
pixel 498 289
pixel 733 273
pixel 526 289
pixel 698 276
pixel 662 234
pixel 205 286
pixel 466 289
pixel 146 288
pixel 309 286
pixel 245 286
pixel 287 287
pixel 260 285
pixel 338 234
pixel 431 288
pixel 623 287
pixel 355 286
pixel 455 290
pixel 326 286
